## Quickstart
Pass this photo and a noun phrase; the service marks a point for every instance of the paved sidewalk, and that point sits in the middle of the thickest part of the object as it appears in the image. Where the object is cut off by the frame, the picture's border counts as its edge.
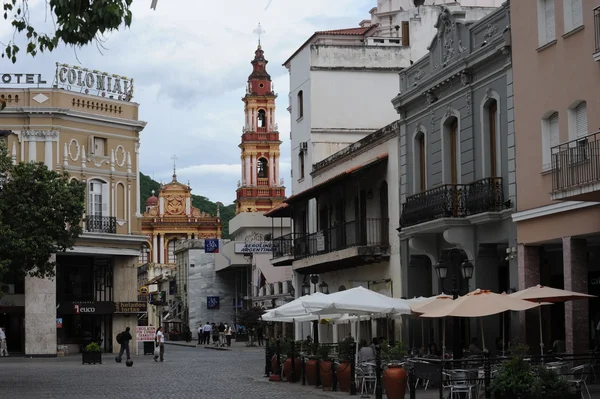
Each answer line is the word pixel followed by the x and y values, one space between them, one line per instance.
pixel 236 346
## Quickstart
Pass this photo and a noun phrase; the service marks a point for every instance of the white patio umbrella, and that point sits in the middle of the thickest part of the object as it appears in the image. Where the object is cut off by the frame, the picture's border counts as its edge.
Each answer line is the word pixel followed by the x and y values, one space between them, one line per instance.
pixel 295 307
pixel 480 303
pixel 544 295
pixel 356 301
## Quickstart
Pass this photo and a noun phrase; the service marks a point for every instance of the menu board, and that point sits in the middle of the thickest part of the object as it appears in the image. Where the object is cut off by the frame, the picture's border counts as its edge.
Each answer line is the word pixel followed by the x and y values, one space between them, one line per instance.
pixel 145 333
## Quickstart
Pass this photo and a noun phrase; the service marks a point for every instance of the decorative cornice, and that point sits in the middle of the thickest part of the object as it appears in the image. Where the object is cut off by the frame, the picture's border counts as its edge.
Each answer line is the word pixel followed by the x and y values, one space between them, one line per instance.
pixel 40 135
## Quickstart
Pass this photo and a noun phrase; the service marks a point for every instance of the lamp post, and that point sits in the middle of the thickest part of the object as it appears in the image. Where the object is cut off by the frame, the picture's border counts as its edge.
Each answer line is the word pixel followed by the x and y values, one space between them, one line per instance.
pixel 455 259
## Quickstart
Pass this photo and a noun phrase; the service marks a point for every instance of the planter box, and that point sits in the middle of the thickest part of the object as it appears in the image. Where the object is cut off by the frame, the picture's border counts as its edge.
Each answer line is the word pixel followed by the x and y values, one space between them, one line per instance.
pixel 91 357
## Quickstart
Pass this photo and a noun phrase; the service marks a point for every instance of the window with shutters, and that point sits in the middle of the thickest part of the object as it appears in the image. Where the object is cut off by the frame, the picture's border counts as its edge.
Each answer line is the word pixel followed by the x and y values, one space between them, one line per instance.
pixel 578 131
pixel 573 12
pixel 546 21
pixel 98 198
pixel 405 34
pixel 420 163
pixel 550 139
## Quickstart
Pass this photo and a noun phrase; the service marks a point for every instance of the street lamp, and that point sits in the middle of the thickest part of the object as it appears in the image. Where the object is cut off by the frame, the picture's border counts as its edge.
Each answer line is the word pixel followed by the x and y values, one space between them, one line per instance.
pixel 314 279
pixel 324 288
pixel 305 288
pixel 457 259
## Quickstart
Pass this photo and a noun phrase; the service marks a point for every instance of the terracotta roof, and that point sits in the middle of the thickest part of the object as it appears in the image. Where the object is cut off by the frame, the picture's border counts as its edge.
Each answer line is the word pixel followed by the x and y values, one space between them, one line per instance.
pixel 341 32
pixel 349 31
pixel 311 191
pixel 281 210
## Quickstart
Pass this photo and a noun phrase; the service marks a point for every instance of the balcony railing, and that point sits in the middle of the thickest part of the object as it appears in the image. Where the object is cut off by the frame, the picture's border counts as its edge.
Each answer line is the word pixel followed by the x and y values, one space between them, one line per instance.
pixel 362 232
pixel 576 163
pixel 284 246
pixel 597 28
pixel 453 201
pixel 101 224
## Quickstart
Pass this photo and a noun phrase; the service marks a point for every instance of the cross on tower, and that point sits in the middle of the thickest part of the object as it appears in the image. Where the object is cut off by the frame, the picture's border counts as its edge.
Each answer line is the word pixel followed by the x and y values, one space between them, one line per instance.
pixel 174 158
pixel 259 31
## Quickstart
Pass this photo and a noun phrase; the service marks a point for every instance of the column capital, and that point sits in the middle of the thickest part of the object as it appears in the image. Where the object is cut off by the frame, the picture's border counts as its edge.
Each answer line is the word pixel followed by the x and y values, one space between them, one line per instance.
pixel 40 135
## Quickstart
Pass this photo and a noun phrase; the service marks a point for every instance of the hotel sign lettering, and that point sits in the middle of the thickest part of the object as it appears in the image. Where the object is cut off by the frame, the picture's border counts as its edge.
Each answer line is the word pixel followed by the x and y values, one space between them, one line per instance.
pixel 131 307
pixel 253 247
pixel 22 78
pixel 94 82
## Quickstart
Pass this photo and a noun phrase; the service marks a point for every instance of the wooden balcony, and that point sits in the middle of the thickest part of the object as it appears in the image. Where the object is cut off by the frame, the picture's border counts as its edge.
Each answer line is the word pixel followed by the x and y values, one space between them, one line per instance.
pixel 453 201
pixel 576 169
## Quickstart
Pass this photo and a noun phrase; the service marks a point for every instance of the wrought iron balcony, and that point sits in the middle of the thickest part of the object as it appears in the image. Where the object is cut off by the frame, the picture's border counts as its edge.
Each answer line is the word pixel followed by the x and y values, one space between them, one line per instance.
pixel 370 232
pixel 576 163
pixel 101 224
pixel 453 201
pixel 284 246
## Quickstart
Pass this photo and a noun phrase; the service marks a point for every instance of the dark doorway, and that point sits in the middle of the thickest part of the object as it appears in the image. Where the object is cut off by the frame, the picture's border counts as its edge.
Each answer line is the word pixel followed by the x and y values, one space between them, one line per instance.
pixel 11 318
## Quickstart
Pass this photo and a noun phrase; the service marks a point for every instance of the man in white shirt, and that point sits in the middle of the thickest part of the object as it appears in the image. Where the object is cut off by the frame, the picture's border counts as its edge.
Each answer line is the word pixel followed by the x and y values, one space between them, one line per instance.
pixel 200 334
pixel 207 329
pixel 3 349
pixel 160 342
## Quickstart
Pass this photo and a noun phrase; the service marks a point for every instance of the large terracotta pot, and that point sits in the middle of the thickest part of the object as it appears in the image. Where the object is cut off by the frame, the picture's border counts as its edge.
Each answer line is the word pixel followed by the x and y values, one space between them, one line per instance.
pixel 310 368
pixel 342 372
pixel 395 380
pixel 326 373
pixel 274 364
pixel 287 369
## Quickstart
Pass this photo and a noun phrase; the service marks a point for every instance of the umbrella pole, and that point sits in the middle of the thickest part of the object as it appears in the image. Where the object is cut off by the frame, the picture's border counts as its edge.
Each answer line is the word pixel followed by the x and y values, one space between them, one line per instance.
pixel 503 329
pixel 541 334
pixel 482 336
pixel 422 333
pixel 443 337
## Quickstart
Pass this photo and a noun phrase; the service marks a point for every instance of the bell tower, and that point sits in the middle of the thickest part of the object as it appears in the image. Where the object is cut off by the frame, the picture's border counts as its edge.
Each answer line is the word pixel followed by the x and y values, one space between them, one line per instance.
pixel 260 188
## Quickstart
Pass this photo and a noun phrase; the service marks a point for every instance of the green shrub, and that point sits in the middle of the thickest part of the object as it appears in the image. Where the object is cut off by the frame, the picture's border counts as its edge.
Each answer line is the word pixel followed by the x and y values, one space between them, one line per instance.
pixel 550 383
pixel 93 347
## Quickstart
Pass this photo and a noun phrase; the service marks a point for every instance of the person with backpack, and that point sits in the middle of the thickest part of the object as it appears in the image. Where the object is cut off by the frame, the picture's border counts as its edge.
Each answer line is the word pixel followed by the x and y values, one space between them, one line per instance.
pixel 123 339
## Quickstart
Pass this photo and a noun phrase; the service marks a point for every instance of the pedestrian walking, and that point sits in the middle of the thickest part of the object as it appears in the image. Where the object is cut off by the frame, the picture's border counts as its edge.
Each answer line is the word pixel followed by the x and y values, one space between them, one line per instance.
pixel 215 334
pixel 187 333
pixel 160 344
pixel 3 347
pixel 123 338
pixel 201 334
pixel 221 334
pixel 228 333
pixel 206 333
pixel 260 335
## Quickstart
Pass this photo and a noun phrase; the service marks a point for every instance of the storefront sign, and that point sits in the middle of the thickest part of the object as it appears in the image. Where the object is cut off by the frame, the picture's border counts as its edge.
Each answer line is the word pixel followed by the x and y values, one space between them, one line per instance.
pixel 94 82
pixel 145 333
pixel 211 246
pixel 131 307
pixel 22 78
pixel 86 308
pixel 253 247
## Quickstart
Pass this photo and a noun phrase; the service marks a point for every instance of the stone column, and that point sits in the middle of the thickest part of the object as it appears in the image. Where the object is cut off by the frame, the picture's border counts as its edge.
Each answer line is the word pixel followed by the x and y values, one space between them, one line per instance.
pixel 40 316
pixel 253 170
pixel 272 170
pixel 529 275
pixel 125 290
pixel 247 162
pixel 32 151
pixel 137 182
pixel 48 154
pixel 276 166
pixel 161 206
pixel 155 248
pixel 162 248
pixel 576 279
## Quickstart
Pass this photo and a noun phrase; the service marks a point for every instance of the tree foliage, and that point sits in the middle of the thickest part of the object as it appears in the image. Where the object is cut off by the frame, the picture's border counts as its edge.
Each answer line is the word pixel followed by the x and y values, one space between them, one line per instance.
pixel 77 23
pixel 40 215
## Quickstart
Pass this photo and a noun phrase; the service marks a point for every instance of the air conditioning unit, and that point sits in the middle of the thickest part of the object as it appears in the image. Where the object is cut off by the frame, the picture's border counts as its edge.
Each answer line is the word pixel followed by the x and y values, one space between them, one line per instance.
pixel 7 288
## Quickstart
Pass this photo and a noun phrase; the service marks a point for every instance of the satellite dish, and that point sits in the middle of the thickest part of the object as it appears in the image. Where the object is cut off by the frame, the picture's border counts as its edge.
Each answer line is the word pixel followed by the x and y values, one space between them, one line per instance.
pixel 418 3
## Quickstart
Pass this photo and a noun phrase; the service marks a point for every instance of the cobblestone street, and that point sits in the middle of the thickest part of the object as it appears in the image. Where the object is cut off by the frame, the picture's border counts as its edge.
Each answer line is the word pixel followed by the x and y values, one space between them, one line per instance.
pixel 185 373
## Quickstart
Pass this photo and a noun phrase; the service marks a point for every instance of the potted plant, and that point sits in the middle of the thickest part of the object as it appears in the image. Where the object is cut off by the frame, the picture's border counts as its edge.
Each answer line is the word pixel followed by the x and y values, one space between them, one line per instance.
pixel 290 349
pixel 92 354
pixel 273 351
pixel 310 365
pixel 346 353
pixel 549 384
pixel 395 377
pixel 325 367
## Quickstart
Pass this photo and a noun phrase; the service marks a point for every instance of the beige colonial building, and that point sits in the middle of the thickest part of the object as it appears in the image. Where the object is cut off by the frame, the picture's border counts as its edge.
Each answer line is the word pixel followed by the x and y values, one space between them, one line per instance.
pixel 556 54
pixel 96 140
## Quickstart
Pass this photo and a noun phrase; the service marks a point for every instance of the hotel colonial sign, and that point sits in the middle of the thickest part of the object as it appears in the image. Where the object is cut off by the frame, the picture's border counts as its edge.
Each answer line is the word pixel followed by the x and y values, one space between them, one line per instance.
pixel 94 82
pixel 22 78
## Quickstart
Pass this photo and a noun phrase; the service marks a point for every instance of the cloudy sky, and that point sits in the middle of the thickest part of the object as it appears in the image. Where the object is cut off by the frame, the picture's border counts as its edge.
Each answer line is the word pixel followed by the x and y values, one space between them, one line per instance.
pixel 190 60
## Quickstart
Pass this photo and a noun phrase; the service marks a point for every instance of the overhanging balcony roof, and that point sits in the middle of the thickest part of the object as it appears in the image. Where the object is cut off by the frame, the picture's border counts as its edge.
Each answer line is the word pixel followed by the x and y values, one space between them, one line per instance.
pixel 282 210
pixel 318 188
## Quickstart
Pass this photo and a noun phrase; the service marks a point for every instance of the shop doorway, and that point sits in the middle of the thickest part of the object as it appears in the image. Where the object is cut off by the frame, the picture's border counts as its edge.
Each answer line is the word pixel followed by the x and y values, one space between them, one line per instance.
pixel 12 319
pixel 83 329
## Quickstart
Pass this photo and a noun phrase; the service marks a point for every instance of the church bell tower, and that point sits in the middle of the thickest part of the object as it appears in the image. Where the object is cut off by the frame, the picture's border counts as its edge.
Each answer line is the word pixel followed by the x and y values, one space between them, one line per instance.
pixel 260 188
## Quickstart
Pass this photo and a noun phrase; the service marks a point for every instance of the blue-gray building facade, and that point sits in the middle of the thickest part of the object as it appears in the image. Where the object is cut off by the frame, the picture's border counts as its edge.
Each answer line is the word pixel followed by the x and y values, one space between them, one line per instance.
pixel 457 166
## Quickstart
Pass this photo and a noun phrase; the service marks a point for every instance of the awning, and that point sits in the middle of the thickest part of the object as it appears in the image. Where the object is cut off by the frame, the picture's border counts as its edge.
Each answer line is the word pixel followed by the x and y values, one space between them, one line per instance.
pixel 79 249
pixel 155 279
pixel 173 320
pixel 282 210
pixel 312 192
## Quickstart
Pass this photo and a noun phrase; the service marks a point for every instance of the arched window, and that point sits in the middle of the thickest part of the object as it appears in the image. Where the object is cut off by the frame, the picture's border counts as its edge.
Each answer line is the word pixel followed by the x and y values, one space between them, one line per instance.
pixel 420 163
pixel 171 251
pixel 451 151
pixel 98 198
pixel 300 104
pixel 263 168
pixel 262 118
pixel 492 136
